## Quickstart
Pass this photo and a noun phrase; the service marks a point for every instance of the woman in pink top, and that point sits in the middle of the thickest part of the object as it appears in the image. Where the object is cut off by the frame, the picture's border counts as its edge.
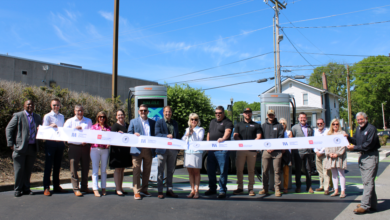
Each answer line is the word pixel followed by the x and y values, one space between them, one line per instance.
pixel 99 153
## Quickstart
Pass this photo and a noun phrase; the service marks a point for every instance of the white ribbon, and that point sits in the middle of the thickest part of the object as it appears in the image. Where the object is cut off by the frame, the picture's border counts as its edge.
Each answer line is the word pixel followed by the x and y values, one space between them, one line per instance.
pixel 130 140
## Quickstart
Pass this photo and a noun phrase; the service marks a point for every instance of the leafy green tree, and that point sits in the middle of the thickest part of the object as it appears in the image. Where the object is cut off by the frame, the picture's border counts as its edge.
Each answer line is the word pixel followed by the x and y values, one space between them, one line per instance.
pixel 336 75
pixel 371 88
pixel 185 100
pixel 255 106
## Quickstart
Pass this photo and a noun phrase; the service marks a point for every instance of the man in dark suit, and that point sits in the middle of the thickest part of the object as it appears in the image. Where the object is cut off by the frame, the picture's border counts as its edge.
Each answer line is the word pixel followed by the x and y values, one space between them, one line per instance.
pixel 145 127
pixel 166 127
pixel 21 133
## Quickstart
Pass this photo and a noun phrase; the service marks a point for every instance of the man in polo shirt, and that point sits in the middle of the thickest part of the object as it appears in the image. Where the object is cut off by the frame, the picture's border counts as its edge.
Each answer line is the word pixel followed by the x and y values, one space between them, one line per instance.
pixel 79 152
pixel 271 130
pixel 246 130
pixel 219 130
pixel 325 180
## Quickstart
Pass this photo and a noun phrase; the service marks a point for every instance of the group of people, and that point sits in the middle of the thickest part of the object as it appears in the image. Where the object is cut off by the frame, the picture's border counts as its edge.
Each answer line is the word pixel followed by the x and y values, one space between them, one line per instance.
pixel 22 129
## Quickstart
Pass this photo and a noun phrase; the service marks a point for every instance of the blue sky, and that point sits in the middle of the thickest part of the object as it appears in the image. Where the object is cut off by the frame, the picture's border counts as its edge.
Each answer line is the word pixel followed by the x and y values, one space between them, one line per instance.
pixel 160 39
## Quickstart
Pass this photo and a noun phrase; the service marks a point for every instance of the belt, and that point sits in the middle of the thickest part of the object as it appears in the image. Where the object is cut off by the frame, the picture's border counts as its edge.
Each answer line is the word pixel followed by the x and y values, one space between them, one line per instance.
pixel 368 152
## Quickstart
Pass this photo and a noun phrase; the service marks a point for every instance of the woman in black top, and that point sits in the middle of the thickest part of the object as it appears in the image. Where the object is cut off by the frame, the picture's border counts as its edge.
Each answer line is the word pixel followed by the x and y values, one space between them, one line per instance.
pixel 120 157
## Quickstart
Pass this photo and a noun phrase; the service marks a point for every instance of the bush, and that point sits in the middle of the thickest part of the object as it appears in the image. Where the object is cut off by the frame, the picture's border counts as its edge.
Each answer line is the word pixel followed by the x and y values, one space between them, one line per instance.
pixel 383 140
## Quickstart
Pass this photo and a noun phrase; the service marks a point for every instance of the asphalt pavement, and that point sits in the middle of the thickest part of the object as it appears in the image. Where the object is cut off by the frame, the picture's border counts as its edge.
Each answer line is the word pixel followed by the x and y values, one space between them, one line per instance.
pixel 289 206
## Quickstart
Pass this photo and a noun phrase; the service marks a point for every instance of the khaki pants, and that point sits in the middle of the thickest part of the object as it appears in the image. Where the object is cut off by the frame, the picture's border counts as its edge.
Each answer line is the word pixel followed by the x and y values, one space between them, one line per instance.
pixel 275 158
pixel 250 158
pixel 324 174
pixel 146 156
pixel 79 154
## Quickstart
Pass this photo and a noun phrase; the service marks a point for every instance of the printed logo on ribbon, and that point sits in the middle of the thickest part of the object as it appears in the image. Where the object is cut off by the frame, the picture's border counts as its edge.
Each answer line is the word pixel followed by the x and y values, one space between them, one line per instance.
pixel 241 145
pixel 125 139
pixel 294 143
pixel 74 135
pixel 285 144
pixel 99 136
pixel 169 143
pixel 213 145
pixel 143 141
pixel 337 140
pixel 267 144
pixel 311 142
pixel 196 145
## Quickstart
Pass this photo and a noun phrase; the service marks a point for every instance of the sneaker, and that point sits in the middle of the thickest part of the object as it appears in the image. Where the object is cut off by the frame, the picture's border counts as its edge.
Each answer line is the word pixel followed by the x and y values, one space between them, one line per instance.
pixel 238 192
pixel 278 193
pixel 252 193
pixel 263 192
pixel 221 195
pixel 209 192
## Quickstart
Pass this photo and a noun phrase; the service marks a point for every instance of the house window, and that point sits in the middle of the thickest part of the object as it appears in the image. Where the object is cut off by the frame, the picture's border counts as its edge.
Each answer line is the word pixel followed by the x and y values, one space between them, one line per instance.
pixel 335 103
pixel 305 99
pixel 24 72
pixel 290 85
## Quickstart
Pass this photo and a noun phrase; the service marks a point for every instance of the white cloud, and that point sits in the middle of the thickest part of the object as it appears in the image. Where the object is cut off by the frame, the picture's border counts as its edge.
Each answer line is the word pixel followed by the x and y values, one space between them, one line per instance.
pixel 93 31
pixel 107 15
pixel 175 46
pixel 71 15
pixel 380 11
pixel 60 34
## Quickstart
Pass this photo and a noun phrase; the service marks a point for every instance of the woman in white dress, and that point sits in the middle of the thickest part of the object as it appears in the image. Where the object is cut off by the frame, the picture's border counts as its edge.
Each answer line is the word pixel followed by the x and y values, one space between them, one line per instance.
pixel 192 158
pixel 286 157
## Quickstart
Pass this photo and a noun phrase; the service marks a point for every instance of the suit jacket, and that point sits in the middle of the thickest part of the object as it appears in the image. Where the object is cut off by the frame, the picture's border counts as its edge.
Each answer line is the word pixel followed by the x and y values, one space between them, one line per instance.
pixel 18 131
pixel 297 132
pixel 136 127
pixel 162 131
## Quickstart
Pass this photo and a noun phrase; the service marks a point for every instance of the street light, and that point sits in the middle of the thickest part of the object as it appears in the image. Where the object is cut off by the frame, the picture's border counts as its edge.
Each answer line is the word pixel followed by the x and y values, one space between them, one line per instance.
pixel 231 102
pixel 383 114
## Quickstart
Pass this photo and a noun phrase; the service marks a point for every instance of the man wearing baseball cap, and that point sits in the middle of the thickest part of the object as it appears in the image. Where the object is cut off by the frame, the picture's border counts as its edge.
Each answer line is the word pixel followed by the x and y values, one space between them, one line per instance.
pixel 246 130
pixel 271 130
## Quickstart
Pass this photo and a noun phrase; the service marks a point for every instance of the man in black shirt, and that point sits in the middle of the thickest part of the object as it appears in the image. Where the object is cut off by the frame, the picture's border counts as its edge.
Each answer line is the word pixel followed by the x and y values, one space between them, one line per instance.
pixel 246 130
pixel 219 130
pixel 366 141
pixel 272 129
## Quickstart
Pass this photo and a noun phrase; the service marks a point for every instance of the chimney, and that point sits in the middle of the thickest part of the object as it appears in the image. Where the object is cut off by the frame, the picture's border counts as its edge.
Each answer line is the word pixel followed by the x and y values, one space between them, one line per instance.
pixel 324 82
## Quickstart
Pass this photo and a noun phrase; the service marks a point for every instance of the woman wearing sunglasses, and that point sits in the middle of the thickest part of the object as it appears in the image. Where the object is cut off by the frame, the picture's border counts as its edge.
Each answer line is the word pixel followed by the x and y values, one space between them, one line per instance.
pixel 193 159
pixel 286 157
pixel 336 160
pixel 99 154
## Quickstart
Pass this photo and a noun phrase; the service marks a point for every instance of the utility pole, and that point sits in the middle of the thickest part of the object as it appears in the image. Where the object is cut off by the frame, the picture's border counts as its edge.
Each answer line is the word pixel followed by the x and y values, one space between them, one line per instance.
pixel 276 71
pixel 383 114
pixel 115 52
pixel 278 6
pixel 349 103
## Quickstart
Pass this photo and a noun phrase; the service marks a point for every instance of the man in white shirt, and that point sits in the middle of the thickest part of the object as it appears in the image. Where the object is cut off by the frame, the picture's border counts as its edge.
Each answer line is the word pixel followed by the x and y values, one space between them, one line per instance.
pixel 325 180
pixel 53 149
pixel 79 152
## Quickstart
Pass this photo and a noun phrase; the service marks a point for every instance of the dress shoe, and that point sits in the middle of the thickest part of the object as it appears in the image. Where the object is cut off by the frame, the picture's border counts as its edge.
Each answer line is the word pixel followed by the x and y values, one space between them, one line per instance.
pixel 252 193
pixel 319 189
pixel 97 194
pixel 160 195
pixel 238 192
pixel 310 190
pixel 28 192
pixel 17 194
pixel 124 192
pixel 360 210
pixel 86 190
pixel 104 192
pixel 145 194
pixel 78 193
pixel 170 193
pixel 263 192
pixel 137 196
pixel 326 192
pixel 298 190
pixel 285 191
pixel 47 192
pixel 278 193
pixel 221 195
pixel 371 209
pixel 209 192
pixel 59 190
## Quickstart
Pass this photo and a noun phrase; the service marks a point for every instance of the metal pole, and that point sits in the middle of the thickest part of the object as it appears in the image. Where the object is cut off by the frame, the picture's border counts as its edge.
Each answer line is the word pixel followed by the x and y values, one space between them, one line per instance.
pixel 349 103
pixel 115 52
pixel 383 114
pixel 231 102
pixel 276 76
pixel 277 47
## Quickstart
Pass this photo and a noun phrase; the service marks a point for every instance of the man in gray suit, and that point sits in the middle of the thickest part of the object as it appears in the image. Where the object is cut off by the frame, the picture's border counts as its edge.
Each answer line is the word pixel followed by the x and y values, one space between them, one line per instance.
pixel 302 156
pixel 145 127
pixel 21 133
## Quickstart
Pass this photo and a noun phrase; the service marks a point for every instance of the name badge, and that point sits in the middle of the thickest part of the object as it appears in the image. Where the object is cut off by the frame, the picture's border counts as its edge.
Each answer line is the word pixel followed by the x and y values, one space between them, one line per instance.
pixel 275 129
pixel 365 133
pixel 252 125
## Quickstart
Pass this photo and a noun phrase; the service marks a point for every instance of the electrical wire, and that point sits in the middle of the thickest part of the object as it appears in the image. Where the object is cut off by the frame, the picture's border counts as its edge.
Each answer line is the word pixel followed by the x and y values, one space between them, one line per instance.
pixel 351 55
pixel 345 25
pixel 228 85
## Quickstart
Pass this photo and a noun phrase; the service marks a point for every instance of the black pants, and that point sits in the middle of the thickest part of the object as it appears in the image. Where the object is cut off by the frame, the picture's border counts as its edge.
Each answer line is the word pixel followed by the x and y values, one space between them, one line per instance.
pixel 54 151
pixel 302 160
pixel 23 165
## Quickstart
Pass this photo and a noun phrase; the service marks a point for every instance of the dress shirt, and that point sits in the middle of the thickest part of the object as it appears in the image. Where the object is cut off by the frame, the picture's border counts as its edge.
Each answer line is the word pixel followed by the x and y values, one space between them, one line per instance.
pixel 318 133
pixel 85 123
pixel 304 129
pixel 99 128
pixel 31 126
pixel 170 127
pixel 146 127
pixel 53 118
pixel 287 135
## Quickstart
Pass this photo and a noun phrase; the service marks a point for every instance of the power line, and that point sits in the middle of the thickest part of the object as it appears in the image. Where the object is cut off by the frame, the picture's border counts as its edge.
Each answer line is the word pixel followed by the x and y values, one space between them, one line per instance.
pixel 353 55
pixel 345 25
pixel 215 66
pixel 229 85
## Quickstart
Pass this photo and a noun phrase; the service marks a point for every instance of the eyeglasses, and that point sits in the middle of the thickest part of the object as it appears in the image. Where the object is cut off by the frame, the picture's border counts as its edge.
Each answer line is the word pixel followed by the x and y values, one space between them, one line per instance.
pixel 218 113
pixel 320 123
pixel 194 119
pixel 102 117
pixel 283 123
pixel 335 124
pixel 143 110
pixel 56 105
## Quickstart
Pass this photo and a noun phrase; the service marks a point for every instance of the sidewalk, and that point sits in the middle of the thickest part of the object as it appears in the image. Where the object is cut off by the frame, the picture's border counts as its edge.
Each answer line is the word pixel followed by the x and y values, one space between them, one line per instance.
pixel 382 188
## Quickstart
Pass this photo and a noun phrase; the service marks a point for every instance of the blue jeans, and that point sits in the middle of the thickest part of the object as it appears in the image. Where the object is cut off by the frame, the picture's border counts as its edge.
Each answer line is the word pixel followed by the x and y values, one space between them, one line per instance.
pixel 221 159
pixel 54 151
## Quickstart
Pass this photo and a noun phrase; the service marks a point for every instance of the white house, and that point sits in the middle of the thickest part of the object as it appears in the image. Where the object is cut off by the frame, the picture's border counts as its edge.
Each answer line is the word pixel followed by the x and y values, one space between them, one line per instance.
pixel 310 100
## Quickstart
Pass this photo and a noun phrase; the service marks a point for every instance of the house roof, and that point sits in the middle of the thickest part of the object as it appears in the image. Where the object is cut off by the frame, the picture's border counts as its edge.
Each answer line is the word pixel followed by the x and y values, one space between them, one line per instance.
pixel 302 83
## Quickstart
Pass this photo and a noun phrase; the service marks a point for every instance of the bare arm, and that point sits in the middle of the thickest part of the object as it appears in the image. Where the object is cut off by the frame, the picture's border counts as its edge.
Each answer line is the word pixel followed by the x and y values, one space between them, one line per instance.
pixel 226 135
pixel 236 136
pixel 208 136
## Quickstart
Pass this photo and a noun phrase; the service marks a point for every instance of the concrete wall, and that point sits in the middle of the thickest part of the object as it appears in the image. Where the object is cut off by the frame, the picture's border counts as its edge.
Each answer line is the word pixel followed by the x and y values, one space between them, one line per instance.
pixel 75 79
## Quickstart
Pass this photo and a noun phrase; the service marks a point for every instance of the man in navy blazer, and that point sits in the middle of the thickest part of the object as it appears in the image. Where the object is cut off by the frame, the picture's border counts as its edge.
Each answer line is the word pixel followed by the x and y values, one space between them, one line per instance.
pixel 166 127
pixel 142 126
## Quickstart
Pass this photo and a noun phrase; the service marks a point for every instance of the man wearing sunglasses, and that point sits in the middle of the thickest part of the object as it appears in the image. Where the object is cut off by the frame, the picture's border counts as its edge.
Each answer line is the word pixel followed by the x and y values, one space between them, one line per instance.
pixel 142 126
pixel 366 141
pixel 246 130
pixel 325 175
pixel 219 130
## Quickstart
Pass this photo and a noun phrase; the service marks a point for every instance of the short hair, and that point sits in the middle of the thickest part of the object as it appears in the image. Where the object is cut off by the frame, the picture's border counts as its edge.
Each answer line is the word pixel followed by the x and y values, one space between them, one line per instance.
pixel 78 106
pixel 192 115
pixel 99 114
pixel 321 119
pixel 220 108
pixel 120 110
pixel 55 99
pixel 302 113
pixel 282 119
pixel 29 100
pixel 167 106
pixel 144 105
pixel 361 114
